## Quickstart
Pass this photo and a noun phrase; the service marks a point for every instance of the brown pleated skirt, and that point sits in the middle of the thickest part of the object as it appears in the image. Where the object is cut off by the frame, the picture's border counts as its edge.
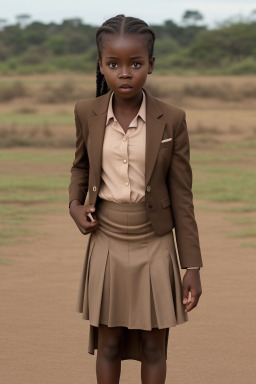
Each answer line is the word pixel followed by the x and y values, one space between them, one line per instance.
pixel 130 277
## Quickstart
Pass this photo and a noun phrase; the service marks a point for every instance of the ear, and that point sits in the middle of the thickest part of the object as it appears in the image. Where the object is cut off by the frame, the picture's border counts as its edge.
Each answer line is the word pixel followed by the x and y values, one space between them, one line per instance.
pixel 101 67
pixel 151 65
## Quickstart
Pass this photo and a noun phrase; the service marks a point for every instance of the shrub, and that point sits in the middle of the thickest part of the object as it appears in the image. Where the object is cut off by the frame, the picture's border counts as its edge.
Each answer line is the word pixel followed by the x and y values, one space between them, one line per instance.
pixel 10 92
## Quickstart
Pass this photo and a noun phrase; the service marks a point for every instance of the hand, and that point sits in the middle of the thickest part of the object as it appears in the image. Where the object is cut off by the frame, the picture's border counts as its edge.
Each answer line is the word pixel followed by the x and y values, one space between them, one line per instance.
pixel 79 214
pixel 192 289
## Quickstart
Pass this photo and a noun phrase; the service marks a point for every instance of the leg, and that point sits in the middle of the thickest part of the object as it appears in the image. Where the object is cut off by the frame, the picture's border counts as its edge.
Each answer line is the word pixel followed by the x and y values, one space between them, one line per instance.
pixel 153 365
pixel 108 363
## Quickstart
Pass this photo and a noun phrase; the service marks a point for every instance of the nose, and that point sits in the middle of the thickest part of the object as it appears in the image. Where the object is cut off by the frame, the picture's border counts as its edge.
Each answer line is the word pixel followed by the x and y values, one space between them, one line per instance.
pixel 124 73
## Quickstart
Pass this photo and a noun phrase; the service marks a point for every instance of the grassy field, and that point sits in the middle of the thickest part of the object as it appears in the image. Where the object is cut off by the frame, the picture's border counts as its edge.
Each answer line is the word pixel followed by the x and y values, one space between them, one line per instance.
pixel 37 139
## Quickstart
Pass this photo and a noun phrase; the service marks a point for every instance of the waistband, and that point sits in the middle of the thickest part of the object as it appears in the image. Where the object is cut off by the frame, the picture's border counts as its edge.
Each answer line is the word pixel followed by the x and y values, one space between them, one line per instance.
pixel 130 207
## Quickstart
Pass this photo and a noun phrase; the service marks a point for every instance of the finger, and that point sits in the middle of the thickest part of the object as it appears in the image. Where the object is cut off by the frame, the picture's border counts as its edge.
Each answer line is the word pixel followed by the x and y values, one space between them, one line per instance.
pixel 185 295
pixel 193 303
pixel 88 226
pixel 90 217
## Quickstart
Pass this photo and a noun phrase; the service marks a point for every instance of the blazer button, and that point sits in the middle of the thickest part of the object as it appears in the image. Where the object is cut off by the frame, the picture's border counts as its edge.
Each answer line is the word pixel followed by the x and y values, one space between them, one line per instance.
pixel 94 188
pixel 150 206
pixel 148 188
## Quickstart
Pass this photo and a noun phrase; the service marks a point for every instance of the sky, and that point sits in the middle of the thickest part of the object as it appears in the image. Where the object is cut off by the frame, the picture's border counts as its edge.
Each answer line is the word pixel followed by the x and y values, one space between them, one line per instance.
pixel 153 12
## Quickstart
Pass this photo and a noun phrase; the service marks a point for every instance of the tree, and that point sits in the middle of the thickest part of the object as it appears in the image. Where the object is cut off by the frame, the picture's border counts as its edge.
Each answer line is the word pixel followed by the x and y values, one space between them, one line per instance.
pixel 23 19
pixel 74 23
pixel 192 17
pixel 253 15
pixel 2 23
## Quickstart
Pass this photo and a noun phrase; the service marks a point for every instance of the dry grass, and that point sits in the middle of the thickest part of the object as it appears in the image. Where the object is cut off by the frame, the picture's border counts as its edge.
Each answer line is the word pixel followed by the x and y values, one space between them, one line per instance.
pixel 224 91
pixel 38 110
pixel 12 91
pixel 63 93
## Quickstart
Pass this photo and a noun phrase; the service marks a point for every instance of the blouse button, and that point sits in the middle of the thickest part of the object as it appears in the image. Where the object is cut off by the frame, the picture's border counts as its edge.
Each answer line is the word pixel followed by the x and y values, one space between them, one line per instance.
pixel 126 183
pixel 125 161
pixel 94 188
pixel 124 138
pixel 148 188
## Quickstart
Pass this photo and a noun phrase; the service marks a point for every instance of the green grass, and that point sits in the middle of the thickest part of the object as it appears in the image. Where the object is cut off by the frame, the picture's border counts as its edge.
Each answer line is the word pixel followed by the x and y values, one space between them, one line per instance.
pixel 242 220
pixel 248 245
pixel 25 196
pixel 4 262
pixel 250 232
pixel 241 209
pixel 213 157
pixel 33 183
pixel 22 119
pixel 33 188
pixel 37 157
pixel 249 143
pixel 227 176
pixel 14 234
pixel 226 186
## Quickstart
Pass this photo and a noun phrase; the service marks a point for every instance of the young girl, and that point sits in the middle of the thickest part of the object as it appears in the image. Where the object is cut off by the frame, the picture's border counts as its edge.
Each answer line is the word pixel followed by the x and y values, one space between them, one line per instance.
pixel 132 159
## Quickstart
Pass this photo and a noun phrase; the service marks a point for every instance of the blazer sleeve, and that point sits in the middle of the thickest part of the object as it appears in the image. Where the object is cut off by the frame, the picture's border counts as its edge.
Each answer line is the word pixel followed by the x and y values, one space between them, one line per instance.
pixel 78 187
pixel 180 188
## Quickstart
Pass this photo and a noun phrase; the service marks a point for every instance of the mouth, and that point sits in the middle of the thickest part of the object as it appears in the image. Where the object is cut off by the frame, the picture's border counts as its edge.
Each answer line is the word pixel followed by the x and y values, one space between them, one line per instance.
pixel 125 86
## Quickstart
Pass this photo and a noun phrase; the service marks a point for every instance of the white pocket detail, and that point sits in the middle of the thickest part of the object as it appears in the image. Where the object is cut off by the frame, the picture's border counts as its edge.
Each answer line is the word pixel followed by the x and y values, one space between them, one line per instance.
pixel 165 140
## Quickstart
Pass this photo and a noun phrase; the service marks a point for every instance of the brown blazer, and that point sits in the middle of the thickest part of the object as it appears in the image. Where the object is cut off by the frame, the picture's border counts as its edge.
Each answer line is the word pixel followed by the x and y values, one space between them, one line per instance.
pixel 168 175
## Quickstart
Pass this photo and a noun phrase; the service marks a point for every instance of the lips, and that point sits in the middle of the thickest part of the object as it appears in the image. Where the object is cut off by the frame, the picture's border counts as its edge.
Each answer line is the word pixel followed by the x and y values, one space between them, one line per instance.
pixel 125 86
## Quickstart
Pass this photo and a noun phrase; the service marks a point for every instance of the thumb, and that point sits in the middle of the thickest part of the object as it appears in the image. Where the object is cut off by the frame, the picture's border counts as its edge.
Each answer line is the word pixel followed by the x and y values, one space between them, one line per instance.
pixel 89 208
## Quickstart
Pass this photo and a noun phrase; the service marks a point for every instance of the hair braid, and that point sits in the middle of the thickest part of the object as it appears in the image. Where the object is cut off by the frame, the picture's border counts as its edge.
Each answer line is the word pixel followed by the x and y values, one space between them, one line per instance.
pixel 101 84
pixel 119 25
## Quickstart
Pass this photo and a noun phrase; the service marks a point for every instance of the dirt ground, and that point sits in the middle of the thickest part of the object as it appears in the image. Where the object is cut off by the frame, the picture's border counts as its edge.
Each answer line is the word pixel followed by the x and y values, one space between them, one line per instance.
pixel 45 341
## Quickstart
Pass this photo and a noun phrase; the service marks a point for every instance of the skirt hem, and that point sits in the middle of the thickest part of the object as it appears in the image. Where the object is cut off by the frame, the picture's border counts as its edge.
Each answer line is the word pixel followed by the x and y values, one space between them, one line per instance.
pixel 172 325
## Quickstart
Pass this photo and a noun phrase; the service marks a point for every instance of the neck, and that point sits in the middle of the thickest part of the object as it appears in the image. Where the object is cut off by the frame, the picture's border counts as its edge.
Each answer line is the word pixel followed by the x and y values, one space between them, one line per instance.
pixel 128 105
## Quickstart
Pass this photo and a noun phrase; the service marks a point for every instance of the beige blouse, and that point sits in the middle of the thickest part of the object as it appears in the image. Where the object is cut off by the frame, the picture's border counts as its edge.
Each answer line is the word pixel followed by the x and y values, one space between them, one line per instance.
pixel 123 158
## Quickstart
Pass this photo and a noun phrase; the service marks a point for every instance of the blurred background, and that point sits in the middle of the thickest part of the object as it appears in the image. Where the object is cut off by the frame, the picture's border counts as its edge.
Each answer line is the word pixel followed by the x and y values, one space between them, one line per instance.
pixel 206 64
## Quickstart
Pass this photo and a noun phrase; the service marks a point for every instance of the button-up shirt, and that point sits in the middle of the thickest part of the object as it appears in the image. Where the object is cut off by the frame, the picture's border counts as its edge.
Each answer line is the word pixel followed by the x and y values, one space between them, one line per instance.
pixel 123 158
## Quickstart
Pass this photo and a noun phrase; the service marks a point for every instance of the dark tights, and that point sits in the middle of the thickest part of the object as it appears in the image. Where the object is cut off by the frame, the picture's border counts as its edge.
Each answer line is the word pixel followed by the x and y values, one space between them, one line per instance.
pixel 108 363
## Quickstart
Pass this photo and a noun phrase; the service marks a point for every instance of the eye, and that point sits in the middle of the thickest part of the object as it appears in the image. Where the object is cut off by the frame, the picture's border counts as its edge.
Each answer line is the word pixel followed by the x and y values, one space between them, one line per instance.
pixel 113 65
pixel 136 65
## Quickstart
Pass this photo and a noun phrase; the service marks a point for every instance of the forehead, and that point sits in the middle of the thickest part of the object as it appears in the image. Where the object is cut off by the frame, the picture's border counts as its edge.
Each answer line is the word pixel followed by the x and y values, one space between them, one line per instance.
pixel 121 45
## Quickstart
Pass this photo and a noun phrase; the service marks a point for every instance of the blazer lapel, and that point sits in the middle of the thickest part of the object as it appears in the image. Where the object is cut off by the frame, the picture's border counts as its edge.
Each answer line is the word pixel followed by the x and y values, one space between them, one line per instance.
pixel 96 125
pixel 154 133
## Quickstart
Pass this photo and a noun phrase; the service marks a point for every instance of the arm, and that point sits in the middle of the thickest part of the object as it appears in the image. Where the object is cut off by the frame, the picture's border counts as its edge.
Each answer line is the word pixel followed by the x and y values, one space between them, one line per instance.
pixel 186 232
pixel 78 187
pixel 180 189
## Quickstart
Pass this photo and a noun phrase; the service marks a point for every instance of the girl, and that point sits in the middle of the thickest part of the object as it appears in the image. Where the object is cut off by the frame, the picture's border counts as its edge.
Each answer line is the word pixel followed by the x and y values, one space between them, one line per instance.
pixel 132 159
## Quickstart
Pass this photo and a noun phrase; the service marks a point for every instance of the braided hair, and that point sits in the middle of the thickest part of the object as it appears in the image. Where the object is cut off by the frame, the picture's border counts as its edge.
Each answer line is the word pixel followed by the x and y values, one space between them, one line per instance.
pixel 118 25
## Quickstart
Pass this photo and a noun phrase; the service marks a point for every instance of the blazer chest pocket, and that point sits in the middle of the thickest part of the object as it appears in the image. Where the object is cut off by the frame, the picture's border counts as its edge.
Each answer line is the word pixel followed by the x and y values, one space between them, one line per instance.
pixel 166 144
pixel 166 202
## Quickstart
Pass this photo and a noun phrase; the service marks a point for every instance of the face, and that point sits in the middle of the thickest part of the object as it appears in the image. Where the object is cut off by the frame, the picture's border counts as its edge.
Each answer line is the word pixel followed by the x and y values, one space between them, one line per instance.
pixel 125 64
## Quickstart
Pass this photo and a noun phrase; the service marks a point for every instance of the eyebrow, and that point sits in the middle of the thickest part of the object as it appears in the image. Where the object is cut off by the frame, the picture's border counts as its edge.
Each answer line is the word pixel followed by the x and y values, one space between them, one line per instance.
pixel 131 58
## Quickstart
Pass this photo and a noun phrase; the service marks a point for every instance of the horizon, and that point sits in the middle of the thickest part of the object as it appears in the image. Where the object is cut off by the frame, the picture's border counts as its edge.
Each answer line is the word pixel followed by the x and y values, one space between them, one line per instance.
pixel 213 14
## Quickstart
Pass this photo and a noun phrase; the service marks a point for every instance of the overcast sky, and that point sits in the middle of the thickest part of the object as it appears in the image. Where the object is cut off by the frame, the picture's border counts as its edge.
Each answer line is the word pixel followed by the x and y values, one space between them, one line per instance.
pixel 154 12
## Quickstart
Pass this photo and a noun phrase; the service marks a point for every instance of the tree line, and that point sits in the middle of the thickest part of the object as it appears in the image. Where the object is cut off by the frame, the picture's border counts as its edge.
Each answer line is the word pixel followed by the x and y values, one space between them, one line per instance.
pixel 27 47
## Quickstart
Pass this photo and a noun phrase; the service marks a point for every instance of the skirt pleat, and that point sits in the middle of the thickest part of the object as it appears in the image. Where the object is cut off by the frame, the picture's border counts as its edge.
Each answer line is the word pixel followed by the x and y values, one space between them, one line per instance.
pixel 130 277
